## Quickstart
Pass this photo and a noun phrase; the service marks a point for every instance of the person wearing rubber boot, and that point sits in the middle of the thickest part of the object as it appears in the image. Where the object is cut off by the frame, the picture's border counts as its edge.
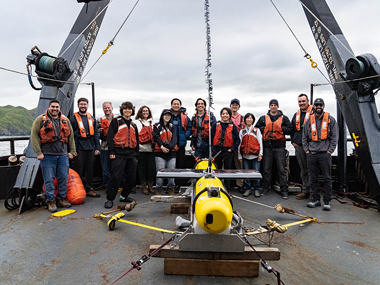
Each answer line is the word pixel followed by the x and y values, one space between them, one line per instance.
pixel 298 121
pixel 103 126
pixel 165 150
pixel 250 152
pixel 147 163
pixel 274 126
pixel 52 138
pixel 319 140
pixel 87 144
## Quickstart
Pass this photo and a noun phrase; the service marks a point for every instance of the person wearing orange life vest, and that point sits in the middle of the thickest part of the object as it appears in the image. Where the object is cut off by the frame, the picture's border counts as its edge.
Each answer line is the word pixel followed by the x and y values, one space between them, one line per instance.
pixel 201 123
pixel 298 121
pixel 52 138
pixel 250 152
pixel 182 124
pixel 123 148
pixel 225 138
pixel 238 120
pixel 274 126
pixel 87 143
pixel 319 140
pixel 146 164
pixel 103 126
pixel 165 150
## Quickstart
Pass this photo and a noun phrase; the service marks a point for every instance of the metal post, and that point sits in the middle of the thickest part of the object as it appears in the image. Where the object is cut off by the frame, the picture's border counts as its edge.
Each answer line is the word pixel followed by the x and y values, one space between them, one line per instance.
pixel 342 151
pixel 311 93
pixel 93 98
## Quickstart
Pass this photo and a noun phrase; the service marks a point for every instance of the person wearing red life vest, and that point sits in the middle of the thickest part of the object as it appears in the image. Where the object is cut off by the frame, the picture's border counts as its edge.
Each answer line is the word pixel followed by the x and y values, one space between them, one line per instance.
pixel 123 148
pixel 52 138
pixel 147 164
pixel 225 138
pixel 298 121
pixel 87 143
pixel 201 123
pixel 165 150
pixel 182 123
pixel 319 140
pixel 250 152
pixel 103 126
pixel 238 120
pixel 274 126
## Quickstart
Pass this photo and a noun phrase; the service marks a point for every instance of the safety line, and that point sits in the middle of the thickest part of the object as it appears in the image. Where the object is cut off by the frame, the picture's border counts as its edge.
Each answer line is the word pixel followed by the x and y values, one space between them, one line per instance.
pixel 253 202
pixel 85 28
pixel 111 41
pixel 260 231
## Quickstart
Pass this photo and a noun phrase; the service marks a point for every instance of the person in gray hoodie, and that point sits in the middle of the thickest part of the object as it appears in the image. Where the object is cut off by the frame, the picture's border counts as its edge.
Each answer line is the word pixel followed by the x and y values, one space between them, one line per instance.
pixel 319 139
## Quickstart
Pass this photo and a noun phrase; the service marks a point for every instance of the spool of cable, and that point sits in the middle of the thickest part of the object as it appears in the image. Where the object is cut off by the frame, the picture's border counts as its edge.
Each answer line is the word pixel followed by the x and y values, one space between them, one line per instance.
pixel 46 64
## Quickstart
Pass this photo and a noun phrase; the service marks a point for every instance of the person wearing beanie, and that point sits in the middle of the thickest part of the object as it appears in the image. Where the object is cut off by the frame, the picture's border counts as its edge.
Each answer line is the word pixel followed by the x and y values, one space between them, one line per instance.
pixel 274 126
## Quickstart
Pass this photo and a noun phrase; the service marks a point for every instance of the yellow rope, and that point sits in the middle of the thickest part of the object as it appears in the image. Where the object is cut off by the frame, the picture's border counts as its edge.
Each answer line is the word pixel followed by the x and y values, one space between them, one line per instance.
pixel 272 225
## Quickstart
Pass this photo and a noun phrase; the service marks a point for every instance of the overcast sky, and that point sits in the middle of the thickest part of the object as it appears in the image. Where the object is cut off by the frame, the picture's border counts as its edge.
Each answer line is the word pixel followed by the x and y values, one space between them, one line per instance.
pixel 160 53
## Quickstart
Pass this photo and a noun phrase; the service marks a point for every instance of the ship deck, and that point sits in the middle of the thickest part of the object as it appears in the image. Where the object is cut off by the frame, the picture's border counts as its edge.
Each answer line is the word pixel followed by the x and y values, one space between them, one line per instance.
pixel 342 247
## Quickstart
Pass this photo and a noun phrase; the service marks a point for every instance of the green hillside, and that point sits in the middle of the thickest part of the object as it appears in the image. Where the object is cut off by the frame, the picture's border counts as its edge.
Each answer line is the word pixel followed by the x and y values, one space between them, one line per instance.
pixel 16 120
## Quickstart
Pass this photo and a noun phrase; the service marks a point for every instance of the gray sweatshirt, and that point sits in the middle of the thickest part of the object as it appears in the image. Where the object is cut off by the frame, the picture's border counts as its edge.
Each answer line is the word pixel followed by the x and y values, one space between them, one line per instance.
pixel 328 144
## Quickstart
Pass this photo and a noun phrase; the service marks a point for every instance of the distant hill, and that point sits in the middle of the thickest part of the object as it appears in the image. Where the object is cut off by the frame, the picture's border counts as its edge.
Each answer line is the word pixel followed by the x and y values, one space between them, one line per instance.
pixel 16 121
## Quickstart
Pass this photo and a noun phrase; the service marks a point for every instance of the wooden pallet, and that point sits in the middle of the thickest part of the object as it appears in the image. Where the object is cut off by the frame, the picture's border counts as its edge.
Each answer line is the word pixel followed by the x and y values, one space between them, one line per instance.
pixel 244 264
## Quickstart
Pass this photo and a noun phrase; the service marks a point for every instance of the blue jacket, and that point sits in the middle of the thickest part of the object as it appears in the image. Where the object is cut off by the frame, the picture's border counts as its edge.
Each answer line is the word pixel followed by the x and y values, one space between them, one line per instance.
pixel 183 135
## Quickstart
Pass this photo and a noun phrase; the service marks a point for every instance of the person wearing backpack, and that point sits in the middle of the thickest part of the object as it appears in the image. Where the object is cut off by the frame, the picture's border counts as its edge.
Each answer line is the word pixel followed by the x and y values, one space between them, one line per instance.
pixel 250 152
pixel 147 164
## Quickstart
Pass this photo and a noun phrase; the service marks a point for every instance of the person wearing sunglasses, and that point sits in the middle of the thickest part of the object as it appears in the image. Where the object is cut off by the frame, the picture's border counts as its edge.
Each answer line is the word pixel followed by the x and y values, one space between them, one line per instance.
pixel 319 140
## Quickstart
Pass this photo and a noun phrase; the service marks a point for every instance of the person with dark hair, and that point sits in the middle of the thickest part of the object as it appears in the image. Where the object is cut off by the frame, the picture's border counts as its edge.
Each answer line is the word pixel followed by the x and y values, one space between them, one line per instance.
pixel 200 126
pixel 52 138
pixel 165 138
pixel 238 120
pixel 103 126
pixel 147 165
pixel 319 140
pixel 250 152
pixel 182 124
pixel 123 147
pixel 87 143
pixel 225 138
pixel 274 126
pixel 299 118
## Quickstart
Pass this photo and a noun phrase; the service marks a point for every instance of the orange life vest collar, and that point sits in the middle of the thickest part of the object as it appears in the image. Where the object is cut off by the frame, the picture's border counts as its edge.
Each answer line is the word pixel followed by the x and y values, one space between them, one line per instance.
pixel 223 138
pixel 82 129
pixel 204 128
pixel 47 133
pixel 325 127
pixel 273 130
pixel 309 111
pixel 249 143
pixel 125 136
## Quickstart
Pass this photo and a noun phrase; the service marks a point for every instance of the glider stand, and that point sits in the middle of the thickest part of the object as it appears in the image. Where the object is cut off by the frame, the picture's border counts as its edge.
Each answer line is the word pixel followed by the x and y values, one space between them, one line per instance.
pixel 233 264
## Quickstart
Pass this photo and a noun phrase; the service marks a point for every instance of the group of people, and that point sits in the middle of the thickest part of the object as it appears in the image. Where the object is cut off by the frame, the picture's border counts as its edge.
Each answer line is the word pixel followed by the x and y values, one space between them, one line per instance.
pixel 125 145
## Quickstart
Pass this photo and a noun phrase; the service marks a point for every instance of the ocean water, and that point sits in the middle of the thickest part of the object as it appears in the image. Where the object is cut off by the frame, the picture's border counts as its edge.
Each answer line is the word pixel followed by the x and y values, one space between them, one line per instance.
pixel 20 147
pixel 5 147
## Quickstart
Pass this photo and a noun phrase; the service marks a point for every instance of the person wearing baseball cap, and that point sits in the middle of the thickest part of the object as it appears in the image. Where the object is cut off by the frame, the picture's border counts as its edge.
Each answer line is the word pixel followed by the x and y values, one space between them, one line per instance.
pixel 319 140
pixel 238 121
pixel 274 126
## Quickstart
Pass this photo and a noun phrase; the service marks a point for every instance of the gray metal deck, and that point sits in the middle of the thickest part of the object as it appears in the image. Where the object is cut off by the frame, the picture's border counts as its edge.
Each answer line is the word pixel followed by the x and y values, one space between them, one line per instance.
pixel 343 247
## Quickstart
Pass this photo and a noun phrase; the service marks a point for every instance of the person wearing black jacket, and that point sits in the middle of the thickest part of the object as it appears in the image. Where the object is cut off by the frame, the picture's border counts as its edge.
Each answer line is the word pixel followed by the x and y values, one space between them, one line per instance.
pixel 87 144
pixel 165 150
pixel 123 148
pixel 225 138
pixel 274 126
